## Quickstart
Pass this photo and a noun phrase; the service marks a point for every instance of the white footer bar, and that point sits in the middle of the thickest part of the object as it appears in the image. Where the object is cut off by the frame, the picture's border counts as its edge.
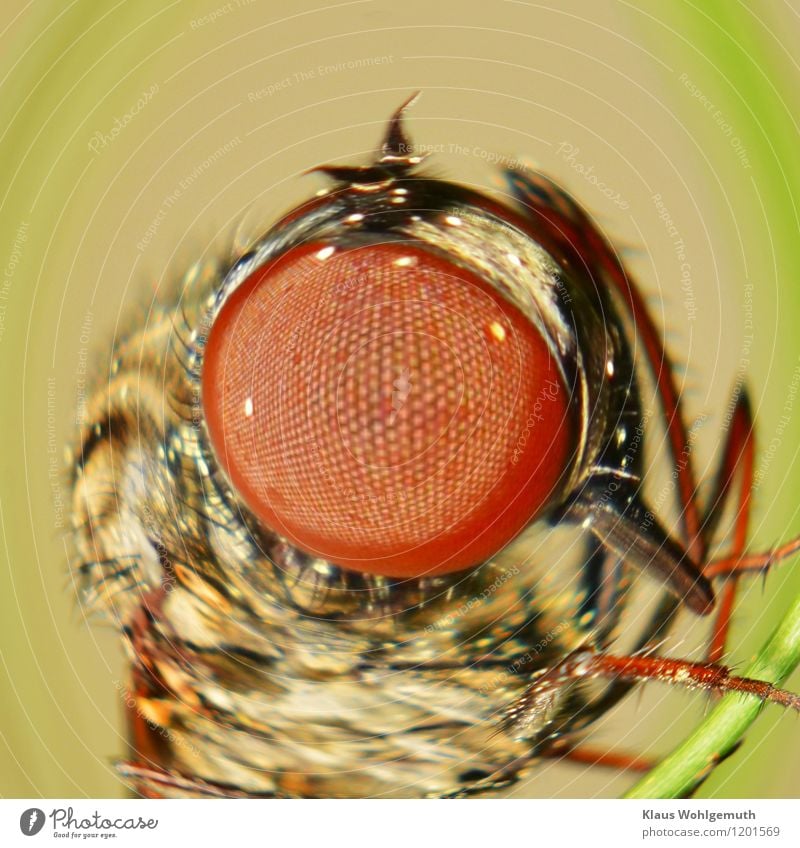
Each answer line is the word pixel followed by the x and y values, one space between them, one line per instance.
pixel 401 824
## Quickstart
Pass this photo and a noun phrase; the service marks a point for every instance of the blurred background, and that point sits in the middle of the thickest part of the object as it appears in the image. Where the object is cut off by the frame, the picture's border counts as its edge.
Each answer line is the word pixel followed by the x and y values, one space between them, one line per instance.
pixel 134 136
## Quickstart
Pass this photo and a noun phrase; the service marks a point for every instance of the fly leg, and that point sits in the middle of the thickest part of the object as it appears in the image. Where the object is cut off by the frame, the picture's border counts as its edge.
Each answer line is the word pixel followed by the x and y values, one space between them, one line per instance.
pixel 736 469
pixel 737 461
pixel 587 755
pixel 752 563
pixel 536 703
pixel 624 525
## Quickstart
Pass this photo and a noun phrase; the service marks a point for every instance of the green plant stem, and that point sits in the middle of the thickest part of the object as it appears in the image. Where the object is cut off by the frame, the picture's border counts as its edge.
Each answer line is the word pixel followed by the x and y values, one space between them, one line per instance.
pixel 678 773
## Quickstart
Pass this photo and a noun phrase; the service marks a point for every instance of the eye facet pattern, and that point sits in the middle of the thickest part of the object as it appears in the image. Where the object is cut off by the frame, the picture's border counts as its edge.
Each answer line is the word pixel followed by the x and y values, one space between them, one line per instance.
pixel 384 408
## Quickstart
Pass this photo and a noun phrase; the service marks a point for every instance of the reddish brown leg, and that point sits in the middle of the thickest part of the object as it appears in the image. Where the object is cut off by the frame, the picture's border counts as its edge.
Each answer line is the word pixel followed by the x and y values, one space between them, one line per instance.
pixel 709 676
pixel 574 235
pixel 751 563
pixel 738 458
pixel 722 622
pixel 737 461
pixel 589 756
pixel 539 699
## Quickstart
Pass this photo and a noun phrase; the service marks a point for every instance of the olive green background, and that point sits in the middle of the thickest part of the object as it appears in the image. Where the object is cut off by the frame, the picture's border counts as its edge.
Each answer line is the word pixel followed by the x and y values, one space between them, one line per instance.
pixel 620 101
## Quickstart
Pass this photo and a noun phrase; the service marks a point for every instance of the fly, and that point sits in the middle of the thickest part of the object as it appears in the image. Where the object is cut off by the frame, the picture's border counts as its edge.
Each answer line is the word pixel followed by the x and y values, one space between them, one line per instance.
pixel 365 500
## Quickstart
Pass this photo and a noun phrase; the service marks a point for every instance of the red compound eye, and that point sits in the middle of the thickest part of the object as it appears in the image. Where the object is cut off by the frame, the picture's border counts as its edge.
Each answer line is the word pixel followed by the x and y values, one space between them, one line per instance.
pixel 384 409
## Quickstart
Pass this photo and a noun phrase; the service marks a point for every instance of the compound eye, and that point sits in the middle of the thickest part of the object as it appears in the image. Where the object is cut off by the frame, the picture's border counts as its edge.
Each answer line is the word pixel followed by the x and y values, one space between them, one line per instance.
pixel 384 409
